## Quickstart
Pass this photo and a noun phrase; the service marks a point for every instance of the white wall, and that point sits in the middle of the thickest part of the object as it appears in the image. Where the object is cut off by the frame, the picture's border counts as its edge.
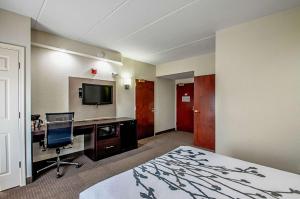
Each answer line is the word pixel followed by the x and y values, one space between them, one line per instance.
pixel 15 29
pixel 184 81
pixel 164 104
pixel 50 72
pixel 200 65
pixel 42 39
pixel 258 91
pixel 135 70
pixel 51 69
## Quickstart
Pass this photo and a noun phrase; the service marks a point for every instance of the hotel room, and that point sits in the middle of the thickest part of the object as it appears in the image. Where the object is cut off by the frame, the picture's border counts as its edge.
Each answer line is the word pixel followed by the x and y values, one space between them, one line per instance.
pixel 150 99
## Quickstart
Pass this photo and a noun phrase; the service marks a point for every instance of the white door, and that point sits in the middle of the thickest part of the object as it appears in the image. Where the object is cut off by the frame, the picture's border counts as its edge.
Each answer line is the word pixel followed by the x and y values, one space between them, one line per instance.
pixel 9 119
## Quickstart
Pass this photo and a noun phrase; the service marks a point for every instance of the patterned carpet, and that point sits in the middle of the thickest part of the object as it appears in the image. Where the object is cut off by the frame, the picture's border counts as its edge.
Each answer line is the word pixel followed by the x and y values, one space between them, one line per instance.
pixel 76 180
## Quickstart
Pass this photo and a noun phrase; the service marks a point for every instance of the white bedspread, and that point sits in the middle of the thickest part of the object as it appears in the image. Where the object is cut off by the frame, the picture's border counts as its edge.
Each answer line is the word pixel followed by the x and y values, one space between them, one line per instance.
pixel 188 172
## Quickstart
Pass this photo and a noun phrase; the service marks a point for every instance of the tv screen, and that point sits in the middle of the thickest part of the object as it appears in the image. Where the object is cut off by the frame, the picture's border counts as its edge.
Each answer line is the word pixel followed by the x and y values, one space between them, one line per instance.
pixel 106 94
pixel 93 94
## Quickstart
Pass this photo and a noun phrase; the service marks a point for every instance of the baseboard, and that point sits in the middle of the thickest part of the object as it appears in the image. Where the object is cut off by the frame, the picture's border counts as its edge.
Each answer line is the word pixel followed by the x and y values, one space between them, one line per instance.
pixel 29 180
pixel 165 131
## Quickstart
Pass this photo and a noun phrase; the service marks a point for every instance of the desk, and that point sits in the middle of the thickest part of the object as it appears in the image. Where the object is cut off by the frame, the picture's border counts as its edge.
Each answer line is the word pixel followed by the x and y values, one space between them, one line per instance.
pixel 38 134
pixel 87 139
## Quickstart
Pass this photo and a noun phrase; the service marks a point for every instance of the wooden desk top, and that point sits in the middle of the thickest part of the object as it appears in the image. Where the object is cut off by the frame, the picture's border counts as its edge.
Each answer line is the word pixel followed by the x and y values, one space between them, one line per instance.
pixel 41 130
pixel 101 121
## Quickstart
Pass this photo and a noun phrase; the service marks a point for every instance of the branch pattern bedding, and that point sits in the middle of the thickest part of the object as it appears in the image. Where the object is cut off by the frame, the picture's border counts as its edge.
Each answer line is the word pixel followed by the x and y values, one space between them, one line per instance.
pixel 188 172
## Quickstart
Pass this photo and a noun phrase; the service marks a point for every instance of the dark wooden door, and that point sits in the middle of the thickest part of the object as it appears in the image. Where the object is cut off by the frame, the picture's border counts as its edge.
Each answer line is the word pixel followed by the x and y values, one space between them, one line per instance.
pixel 204 111
pixel 185 103
pixel 144 108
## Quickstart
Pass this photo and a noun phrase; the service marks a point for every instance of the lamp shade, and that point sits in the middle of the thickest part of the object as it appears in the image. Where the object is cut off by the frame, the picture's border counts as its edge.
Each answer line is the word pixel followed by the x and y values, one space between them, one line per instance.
pixel 127 81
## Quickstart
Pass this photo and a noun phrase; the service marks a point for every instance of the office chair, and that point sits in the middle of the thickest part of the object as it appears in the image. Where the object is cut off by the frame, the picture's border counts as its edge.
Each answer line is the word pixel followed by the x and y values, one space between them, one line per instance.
pixel 59 134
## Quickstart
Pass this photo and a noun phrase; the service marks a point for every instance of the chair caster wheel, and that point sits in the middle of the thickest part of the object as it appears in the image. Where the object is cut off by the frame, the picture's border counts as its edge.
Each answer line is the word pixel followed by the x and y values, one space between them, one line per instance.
pixel 59 175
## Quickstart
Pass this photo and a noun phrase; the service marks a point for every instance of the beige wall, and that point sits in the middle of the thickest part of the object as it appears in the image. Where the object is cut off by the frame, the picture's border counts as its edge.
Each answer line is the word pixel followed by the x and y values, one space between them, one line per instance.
pixel 184 81
pixel 39 38
pixel 164 104
pixel 50 87
pixel 89 111
pixel 126 98
pixel 200 65
pixel 51 70
pixel 15 29
pixel 50 77
pixel 258 91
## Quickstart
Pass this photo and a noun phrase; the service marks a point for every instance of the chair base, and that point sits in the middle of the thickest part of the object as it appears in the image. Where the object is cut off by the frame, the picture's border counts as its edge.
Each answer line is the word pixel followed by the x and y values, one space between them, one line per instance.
pixel 57 164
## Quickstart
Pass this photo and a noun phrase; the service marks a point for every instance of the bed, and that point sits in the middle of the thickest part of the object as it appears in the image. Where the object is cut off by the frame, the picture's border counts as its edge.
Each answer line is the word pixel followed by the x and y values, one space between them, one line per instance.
pixel 188 172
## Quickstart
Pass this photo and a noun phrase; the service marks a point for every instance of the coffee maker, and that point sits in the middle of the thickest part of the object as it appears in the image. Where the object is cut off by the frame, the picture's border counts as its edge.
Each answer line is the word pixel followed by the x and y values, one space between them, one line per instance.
pixel 36 122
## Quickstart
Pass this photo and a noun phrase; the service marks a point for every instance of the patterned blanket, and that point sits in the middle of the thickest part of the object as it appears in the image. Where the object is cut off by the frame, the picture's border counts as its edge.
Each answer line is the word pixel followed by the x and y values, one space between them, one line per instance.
pixel 188 172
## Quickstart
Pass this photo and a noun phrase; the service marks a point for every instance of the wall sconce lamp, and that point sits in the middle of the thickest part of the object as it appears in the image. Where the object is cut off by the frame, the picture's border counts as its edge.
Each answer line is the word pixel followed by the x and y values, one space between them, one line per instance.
pixel 127 83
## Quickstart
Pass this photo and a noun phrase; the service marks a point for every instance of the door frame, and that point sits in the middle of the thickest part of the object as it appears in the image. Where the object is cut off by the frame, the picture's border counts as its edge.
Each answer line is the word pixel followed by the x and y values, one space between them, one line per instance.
pixel 21 79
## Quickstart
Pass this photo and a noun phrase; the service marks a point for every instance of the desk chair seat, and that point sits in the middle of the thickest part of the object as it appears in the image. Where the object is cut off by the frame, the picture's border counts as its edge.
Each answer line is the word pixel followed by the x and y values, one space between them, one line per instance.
pixel 59 134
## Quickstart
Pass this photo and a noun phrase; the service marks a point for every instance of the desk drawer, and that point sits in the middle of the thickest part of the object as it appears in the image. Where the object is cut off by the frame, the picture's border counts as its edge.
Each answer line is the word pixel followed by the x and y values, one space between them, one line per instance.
pixel 82 130
pixel 108 147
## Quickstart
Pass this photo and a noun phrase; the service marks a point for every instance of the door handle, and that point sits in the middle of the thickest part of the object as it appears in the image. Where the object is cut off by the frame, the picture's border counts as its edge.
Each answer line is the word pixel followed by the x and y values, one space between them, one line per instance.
pixel 196 111
pixel 109 147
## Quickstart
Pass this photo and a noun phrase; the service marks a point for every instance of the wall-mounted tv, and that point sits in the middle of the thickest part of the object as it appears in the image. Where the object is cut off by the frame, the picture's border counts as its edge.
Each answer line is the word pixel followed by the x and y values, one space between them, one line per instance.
pixel 93 94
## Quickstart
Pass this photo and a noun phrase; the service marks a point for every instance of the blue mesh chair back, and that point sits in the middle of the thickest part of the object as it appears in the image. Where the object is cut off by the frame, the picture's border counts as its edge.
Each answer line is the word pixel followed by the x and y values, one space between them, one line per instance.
pixel 59 129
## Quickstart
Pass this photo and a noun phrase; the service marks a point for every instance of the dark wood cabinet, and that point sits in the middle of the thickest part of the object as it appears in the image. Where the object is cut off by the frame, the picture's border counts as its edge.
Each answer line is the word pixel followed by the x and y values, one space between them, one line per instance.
pixel 107 139
pixel 128 135
pixel 107 147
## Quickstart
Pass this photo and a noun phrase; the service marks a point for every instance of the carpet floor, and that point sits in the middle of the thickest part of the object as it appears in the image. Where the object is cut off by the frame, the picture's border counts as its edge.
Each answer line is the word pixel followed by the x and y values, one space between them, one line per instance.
pixel 76 180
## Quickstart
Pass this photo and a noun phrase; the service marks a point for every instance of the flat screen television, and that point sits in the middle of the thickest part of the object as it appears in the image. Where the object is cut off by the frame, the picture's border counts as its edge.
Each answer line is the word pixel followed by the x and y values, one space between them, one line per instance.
pixel 93 94
pixel 106 94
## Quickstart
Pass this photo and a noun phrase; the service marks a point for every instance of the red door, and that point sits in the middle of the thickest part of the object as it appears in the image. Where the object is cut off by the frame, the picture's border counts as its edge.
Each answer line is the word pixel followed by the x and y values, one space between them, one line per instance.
pixel 185 103
pixel 144 108
pixel 204 111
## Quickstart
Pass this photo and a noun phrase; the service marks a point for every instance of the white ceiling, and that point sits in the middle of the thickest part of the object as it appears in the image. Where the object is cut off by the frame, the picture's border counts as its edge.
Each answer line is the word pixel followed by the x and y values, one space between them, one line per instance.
pixel 153 31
